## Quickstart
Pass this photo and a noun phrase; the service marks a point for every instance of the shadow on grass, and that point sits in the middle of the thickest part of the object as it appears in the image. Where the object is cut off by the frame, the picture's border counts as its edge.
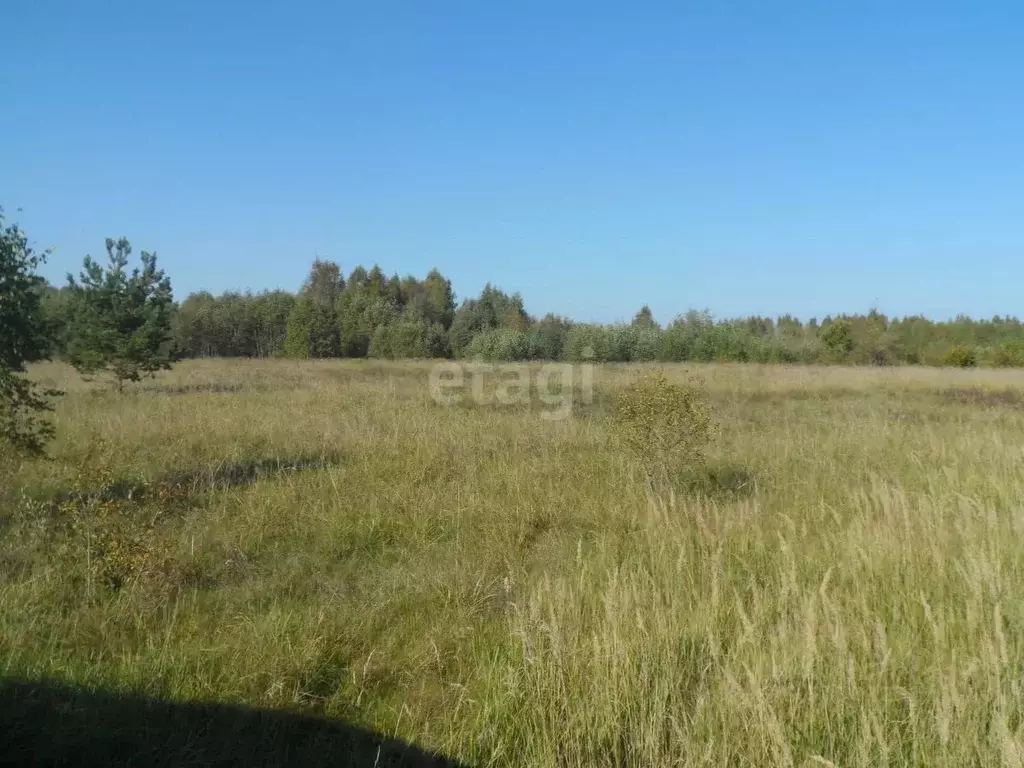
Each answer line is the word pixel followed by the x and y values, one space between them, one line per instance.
pixel 227 475
pixel 823 394
pixel 1010 398
pixel 47 723
pixel 211 388
pixel 719 480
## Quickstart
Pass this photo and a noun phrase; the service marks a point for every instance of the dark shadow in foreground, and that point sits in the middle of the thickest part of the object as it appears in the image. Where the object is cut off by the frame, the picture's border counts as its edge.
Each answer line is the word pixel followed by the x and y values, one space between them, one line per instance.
pixel 46 723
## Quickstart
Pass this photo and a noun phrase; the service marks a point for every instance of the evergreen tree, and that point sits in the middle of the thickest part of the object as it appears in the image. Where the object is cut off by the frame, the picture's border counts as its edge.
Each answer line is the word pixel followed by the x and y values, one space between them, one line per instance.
pixel 375 284
pixel 438 299
pixel 121 322
pixel 393 292
pixel 644 318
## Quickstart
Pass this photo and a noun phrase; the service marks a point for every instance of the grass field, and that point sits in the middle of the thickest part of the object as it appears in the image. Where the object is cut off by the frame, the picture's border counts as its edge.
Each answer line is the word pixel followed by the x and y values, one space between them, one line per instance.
pixel 843 585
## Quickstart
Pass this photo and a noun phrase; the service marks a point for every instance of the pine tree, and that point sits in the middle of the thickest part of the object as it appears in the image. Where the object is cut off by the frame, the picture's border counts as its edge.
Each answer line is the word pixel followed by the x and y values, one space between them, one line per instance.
pixel 121 322
pixel 644 318
pixel 439 299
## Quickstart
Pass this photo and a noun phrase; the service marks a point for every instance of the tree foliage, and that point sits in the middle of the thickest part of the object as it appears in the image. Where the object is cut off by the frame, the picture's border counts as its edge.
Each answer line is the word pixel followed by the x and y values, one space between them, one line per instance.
pixel 665 424
pixel 644 318
pixel 371 314
pixel 26 336
pixel 409 337
pixel 837 337
pixel 120 322
pixel 960 356
pixel 233 324
pixel 313 323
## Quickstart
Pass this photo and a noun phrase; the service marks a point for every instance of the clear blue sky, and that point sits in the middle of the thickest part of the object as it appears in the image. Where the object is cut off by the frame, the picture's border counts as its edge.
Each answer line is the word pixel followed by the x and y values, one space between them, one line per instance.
pixel 748 157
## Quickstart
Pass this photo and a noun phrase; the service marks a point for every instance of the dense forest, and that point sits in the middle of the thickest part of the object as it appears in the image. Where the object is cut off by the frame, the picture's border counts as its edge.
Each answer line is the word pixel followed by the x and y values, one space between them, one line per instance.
pixel 368 314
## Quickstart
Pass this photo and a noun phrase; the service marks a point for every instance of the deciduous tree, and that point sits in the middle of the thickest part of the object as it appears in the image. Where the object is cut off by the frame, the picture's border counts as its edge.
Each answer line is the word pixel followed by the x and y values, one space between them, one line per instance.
pixel 25 337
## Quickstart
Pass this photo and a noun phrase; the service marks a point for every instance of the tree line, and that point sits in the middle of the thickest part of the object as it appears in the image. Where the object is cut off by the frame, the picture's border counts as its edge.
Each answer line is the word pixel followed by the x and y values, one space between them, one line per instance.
pixel 123 321
pixel 369 314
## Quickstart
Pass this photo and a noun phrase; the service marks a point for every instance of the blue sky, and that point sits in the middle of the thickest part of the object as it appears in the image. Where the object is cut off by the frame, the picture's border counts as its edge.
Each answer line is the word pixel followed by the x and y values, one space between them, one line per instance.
pixel 747 157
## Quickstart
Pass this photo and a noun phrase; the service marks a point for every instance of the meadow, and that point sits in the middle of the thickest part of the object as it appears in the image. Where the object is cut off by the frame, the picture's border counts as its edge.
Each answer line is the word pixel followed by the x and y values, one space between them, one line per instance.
pixel 841 585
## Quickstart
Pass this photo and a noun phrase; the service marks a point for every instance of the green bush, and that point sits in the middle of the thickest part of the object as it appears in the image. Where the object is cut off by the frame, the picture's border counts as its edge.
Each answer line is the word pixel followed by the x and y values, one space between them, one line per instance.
pixel 960 356
pixel 666 425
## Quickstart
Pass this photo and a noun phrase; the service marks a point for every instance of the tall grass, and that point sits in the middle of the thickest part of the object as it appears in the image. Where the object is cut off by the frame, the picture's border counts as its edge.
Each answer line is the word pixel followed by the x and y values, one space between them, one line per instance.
pixel 841 587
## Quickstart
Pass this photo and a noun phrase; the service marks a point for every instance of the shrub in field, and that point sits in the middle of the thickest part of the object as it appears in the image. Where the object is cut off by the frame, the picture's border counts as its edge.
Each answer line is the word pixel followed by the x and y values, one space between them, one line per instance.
pixel 666 425
pixel 960 356
pixel 112 532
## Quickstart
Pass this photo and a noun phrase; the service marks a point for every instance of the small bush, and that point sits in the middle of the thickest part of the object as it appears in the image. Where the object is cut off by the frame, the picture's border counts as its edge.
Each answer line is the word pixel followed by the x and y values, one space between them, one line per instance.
pixel 665 424
pixel 114 535
pixel 960 356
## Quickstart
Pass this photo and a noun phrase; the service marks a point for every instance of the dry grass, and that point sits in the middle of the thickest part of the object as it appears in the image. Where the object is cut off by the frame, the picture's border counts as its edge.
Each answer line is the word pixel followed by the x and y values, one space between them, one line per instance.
pixel 843 586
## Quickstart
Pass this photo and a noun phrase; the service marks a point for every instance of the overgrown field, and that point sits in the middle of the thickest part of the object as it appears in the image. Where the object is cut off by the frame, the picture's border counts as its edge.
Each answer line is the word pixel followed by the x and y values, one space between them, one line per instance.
pixel 842 585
